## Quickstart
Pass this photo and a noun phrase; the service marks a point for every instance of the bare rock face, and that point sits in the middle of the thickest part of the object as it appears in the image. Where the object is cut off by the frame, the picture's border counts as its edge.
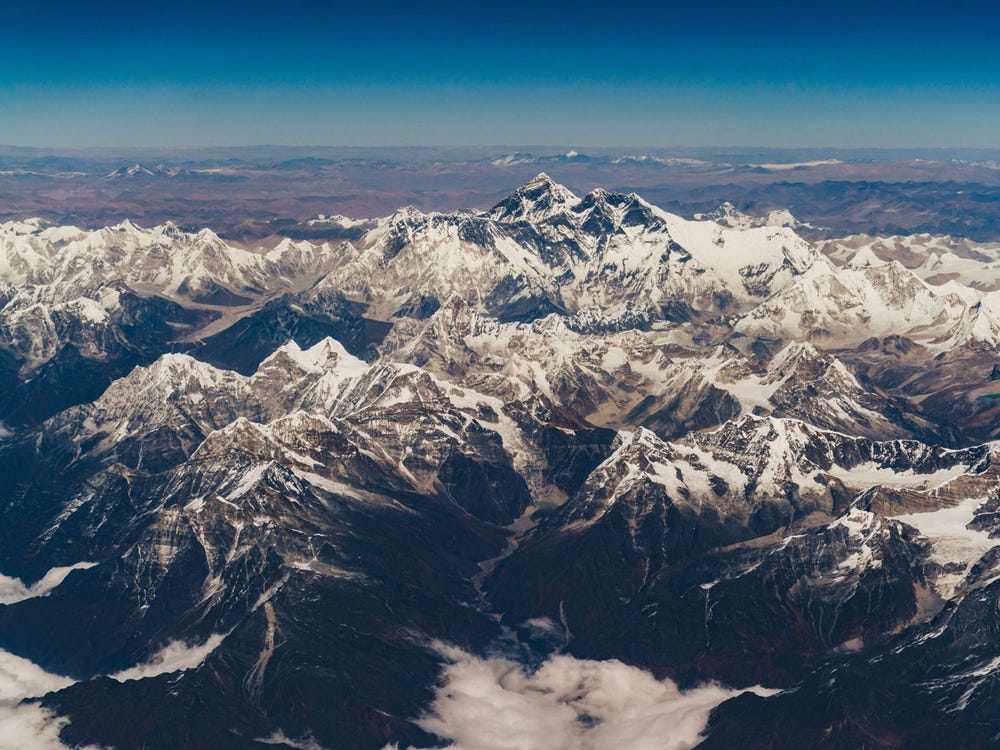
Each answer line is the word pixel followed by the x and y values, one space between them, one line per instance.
pixel 256 494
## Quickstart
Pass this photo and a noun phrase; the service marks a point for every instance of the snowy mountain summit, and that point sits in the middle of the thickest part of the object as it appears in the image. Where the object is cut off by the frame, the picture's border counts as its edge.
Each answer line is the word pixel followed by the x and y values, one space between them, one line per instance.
pixel 536 200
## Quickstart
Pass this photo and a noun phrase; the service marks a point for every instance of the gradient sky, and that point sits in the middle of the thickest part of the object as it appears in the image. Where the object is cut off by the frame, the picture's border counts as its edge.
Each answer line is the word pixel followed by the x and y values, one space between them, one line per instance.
pixel 299 72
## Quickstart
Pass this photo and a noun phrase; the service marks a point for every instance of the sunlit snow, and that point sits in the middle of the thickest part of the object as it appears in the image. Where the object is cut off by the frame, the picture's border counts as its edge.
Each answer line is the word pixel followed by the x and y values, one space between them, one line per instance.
pixel 952 540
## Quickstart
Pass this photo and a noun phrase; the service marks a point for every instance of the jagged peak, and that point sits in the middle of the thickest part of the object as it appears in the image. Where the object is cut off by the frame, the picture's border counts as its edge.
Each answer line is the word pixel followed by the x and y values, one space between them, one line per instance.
pixel 241 430
pixel 131 170
pixel 611 209
pixel 128 226
pixel 636 446
pixel 979 324
pixel 614 197
pixel 765 428
pixel 168 230
pixel 32 225
pixel 204 234
pixel 406 215
pixel 184 366
pixel 539 179
pixel 795 352
pixel 645 436
pixel 865 258
pixel 325 355
pixel 536 200
pixel 170 374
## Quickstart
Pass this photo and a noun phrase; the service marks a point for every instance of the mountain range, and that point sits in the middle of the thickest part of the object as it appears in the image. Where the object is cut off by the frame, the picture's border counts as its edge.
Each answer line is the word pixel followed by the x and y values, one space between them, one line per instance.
pixel 394 484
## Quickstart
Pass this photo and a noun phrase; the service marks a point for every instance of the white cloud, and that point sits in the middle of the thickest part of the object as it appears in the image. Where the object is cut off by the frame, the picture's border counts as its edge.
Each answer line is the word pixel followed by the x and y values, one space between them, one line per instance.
pixel 14 590
pixel 20 678
pixel 173 657
pixel 566 704
pixel 28 726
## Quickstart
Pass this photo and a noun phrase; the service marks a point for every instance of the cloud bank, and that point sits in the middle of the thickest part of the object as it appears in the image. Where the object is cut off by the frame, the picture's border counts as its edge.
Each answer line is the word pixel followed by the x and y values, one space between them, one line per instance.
pixel 20 678
pixel 14 590
pixel 566 704
pixel 173 657
pixel 28 726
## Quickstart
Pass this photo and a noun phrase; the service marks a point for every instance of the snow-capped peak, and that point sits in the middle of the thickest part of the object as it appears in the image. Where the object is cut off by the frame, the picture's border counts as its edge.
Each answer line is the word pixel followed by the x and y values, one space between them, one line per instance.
pixel 980 324
pixel 133 170
pixel 864 258
pixel 536 200
pixel 728 215
pixel 324 356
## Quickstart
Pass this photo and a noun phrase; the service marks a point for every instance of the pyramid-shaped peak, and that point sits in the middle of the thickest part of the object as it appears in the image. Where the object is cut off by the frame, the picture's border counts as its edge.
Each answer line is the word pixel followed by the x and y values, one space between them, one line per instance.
pixel 539 179
pixel 865 258
pixel 126 226
pixel 542 183
pixel 129 171
pixel 536 200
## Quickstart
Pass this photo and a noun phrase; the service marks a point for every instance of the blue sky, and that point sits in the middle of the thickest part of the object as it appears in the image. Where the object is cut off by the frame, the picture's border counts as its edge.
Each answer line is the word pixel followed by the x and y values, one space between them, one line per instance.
pixel 377 73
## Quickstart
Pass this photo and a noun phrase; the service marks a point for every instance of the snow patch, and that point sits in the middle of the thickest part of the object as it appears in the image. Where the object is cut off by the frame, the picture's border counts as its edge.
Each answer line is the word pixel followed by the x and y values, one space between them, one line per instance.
pixel 280 738
pixel 781 167
pixel 868 475
pixel 952 541
pixel 324 355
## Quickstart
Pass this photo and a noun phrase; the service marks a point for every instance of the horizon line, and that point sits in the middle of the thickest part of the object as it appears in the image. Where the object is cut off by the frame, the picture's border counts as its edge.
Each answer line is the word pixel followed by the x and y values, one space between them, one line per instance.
pixel 571 147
